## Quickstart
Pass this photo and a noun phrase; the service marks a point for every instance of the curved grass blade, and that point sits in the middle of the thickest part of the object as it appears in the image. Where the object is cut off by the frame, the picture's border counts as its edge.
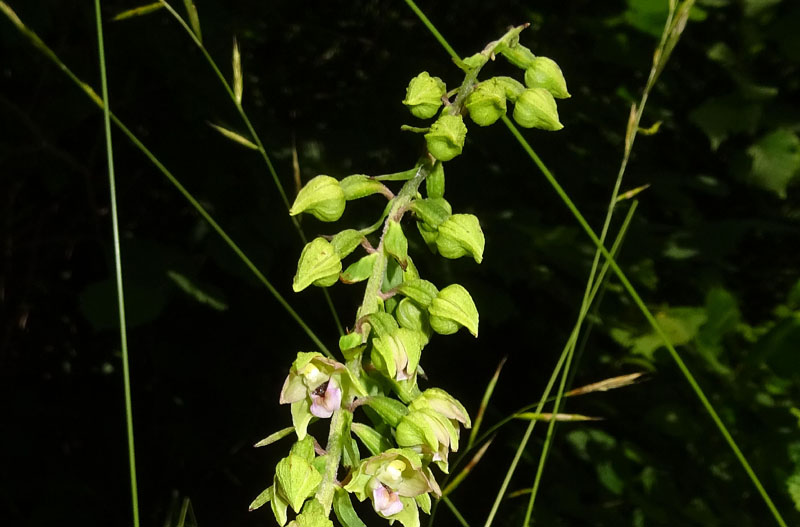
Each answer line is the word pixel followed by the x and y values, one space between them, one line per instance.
pixel 467 469
pixel 484 403
pixel 138 11
pixel 89 92
pixel 123 335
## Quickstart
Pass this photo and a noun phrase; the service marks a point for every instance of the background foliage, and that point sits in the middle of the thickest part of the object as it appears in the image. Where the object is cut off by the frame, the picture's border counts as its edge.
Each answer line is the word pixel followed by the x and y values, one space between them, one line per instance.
pixel 713 248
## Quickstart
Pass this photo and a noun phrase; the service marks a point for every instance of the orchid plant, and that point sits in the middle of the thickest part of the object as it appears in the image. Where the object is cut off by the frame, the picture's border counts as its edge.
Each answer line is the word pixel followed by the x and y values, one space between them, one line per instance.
pixel 406 430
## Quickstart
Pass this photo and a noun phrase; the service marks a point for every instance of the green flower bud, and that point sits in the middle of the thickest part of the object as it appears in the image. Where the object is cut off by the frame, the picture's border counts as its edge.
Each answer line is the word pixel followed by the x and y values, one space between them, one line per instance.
pixel 424 95
pixel 446 137
pixel 319 265
pixel 545 73
pixel 487 102
pixel 459 235
pixel 395 243
pixel 434 183
pixel 518 55
pixel 536 108
pixel 452 308
pixel 322 197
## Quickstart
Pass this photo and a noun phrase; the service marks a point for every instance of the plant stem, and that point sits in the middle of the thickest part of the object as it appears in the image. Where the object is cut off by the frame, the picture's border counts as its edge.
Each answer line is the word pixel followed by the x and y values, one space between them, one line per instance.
pixel 123 333
pixel 339 429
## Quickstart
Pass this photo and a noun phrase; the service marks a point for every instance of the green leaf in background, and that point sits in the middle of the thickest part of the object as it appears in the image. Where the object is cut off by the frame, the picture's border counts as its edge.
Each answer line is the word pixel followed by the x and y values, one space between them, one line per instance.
pixel 775 161
pixel 680 324
pixel 721 117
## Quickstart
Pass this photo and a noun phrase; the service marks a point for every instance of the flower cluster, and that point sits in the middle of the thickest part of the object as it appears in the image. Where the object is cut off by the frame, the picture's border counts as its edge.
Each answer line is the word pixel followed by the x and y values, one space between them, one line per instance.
pixel 372 398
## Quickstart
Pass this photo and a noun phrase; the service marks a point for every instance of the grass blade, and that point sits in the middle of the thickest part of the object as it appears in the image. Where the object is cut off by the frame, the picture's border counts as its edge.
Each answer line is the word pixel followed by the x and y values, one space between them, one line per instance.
pixel 456 481
pixel 238 86
pixel 484 403
pixel 544 416
pixel 123 334
pixel 277 436
pixel 233 136
pixel 194 18
pixel 138 11
pixel 607 384
pixel 454 510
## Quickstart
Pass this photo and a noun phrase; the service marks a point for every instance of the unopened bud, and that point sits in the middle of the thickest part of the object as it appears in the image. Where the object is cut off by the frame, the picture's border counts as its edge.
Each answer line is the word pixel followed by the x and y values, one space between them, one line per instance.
pixel 536 108
pixel 487 103
pixel 545 73
pixel 322 197
pixel 446 137
pixel 424 95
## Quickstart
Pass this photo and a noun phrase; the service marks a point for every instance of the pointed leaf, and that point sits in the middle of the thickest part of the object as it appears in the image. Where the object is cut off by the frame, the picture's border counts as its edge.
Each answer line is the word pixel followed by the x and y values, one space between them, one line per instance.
pixel 371 438
pixel 346 242
pixel 280 434
pixel 420 291
pixel 359 186
pixel 360 270
pixel 390 410
pixel 395 243
pixel 434 183
pixel 261 499
pixel 297 480
pixel 319 265
pixel 343 508
pixel 431 211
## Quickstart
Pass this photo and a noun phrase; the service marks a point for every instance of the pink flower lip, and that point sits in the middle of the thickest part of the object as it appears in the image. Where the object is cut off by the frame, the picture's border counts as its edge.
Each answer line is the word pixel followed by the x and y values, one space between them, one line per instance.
pixel 325 399
pixel 386 501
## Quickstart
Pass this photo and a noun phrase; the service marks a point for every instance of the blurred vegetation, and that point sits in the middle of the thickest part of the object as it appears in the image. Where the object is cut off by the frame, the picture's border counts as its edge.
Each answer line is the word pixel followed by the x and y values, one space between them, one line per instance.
pixel 713 248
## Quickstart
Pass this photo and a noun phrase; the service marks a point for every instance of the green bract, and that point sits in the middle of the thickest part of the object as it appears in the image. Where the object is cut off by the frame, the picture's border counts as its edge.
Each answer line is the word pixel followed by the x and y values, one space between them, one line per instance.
pixel 319 265
pixel 545 73
pixel 446 137
pixel 424 95
pixel 297 480
pixel 359 186
pixel 459 235
pixel 536 108
pixel 487 103
pixel 322 197
pixel 434 183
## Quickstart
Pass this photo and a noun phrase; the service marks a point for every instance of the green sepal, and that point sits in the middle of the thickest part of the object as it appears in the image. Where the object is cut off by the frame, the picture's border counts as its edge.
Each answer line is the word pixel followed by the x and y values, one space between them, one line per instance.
pixel 460 235
pixel 429 235
pixel 351 457
pixel 415 429
pixel 395 243
pixel 410 272
pixel 518 55
pixel 304 448
pixel 536 108
pixel 383 355
pixel 343 508
pixel 350 341
pixel 424 95
pixel 487 103
pixel 434 183
pixel 319 463
pixel 512 87
pixel 346 242
pixel 322 197
pixel 453 305
pixel 390 410
pixel 278 503
pixel 424 502
pixel 433 212
pixel 409 516
pixel 319 265
pixel 360 186
pixel 444 403
pixel 545 73
pixel 313 515
pixel 301 416
pixel 383 323
pixel 420 291
pixel 359 270
pixel 262 499
pixel 371 438
pixel 297 480
pixel 446 137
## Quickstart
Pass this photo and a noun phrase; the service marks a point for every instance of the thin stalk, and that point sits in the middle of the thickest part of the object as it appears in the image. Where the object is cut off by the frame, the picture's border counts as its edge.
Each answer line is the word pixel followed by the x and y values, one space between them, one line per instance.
pixel 89 92
pixel 123 334
pixel 450 505
pixel 258 143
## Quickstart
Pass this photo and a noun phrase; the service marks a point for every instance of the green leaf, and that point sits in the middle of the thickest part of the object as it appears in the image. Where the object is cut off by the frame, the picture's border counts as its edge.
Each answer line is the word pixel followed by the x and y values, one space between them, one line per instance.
pixel 261 499
pixel 424 502
pixel 360 186
pixel 409 516
pixel 383 323
pixel 304 448
pixel 415 429
pixel 360 270
pixel 775 161
pixel 319 265
pixel 395 243
pixel 313 515
pixel 390 410
pixel 343 508
pixel 434 183
pixel 280 434
pixel 371 438
pixel 346 242
pixel 420 291
pixel 278 503
pixel 350 341
pixel 297 480
pixel 321 197
pixel 452 308
pixel 190 288
pixel 460 235
pixel 721 117
pixel 301 416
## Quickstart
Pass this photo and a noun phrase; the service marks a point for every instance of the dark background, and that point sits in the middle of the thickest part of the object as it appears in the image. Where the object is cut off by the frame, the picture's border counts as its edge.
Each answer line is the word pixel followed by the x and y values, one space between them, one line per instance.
pixel 713 249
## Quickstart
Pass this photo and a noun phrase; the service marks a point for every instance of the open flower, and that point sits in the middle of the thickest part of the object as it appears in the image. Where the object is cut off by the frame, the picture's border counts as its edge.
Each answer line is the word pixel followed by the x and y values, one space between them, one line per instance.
pixel 392 480
pixel 315 387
